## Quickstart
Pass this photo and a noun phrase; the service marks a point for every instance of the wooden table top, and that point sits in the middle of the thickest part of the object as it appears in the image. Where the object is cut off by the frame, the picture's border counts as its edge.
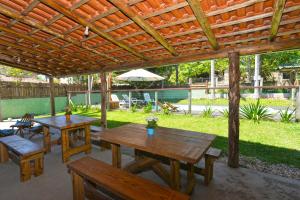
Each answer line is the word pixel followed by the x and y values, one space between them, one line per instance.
pixel 177 144
pixel 61 123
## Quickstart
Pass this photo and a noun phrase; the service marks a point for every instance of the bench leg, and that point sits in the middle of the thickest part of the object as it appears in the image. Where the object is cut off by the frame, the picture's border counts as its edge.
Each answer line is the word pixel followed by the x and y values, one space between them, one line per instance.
pixel 25 170
pixel 3 153
pixel 78 187
pixel 209 168
pixel 39 165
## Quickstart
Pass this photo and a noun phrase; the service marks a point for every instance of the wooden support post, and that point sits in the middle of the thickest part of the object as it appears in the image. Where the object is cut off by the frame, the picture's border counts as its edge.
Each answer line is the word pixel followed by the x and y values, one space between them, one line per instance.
pixel 89 101
pixel 129 101
pixel 297 112
pixel 212 79
pixel 1 118
pixel 109 84
pixel 190 101
pixel 52 97
pixel 156 101
pixel 103 100
pixel 234 101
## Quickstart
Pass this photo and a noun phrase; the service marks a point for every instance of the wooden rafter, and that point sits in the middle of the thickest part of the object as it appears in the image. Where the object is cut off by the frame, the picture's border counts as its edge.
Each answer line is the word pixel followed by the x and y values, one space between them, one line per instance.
pixel 41 43
pixel 269 47
pixel 44 28
pixel 124 8
pixel 202 20
pixel 94 28
pixel 278 11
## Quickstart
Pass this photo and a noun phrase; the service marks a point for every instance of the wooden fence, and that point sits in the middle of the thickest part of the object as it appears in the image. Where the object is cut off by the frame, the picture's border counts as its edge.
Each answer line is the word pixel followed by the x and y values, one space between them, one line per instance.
pixel 12 90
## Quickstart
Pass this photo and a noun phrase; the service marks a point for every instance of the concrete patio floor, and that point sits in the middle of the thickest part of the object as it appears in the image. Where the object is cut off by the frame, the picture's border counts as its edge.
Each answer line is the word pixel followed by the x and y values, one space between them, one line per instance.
pixel 55 183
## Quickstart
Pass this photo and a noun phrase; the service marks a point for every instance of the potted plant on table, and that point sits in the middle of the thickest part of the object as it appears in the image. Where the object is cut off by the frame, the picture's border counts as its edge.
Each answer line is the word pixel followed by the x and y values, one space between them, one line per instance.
pixel 68 113
pixel 151 124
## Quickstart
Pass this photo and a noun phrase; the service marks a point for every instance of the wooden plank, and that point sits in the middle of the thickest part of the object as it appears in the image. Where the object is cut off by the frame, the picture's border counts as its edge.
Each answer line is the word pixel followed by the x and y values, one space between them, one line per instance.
pixel 94 28
pixel 103 100
pixel 201 18
pixel 121 183
pixel 234 101
pixel 124 8
pixel 278 11
pixel 52 97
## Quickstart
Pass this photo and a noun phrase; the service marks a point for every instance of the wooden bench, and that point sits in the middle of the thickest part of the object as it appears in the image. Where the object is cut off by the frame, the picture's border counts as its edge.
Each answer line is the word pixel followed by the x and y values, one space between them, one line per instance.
pixel 28 155
pixel 115 183
pixel 211 156
pixel 96 136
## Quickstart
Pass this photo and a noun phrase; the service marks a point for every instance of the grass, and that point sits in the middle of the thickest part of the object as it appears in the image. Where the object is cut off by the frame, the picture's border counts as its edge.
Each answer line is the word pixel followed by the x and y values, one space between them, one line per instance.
pixel 265 102
pixel 273 142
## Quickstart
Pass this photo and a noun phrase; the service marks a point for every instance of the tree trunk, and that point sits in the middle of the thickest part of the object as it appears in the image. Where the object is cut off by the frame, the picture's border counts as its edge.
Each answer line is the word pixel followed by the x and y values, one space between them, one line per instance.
pixel 103 99
pixel 52 97
pixel 234 101
pixel 177 74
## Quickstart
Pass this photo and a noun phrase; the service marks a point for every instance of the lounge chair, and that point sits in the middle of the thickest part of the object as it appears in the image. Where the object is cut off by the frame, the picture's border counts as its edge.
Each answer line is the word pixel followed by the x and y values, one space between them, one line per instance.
pixel 122 103
pixel 148 98
pixel 25 122
pixel 133 100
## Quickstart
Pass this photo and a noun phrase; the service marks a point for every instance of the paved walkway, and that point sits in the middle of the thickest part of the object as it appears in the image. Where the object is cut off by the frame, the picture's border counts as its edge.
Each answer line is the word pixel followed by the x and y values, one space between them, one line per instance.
pixel 231 184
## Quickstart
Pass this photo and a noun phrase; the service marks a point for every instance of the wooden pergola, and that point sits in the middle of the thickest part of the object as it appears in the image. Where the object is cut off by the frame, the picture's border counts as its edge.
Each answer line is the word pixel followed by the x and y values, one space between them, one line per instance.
pixel 68 37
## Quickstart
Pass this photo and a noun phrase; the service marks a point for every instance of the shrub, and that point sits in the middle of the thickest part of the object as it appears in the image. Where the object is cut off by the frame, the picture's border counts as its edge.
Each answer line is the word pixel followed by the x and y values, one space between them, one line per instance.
pixel 225 113
pixel 133 108
pixel 148 108
pixel 255 112
pixel 166 111
pixel 207 112
pixel 286 116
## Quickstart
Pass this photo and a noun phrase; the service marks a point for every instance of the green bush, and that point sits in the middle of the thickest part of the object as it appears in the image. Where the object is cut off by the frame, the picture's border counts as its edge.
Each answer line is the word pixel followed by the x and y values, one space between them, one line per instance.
pixel 207 112
pixel 148 108
pixel 225 113
pixel 255 112
pixel 166 111
pixel 287 117
pixel 133 108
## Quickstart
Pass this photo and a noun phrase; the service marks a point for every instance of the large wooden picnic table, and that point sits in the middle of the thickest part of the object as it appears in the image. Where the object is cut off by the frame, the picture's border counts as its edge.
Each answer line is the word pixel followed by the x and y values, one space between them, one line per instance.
pixel 76 123
pixel 178 146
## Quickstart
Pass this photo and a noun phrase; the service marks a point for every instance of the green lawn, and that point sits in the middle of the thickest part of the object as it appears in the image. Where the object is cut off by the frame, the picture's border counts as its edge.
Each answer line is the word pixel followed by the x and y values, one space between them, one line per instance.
pixel 266 102
pixel 273 142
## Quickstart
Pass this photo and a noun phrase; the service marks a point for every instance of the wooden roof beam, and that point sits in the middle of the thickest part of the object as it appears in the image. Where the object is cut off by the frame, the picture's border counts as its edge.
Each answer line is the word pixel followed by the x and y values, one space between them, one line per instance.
pixel 94 28
pixel 124 8
pixel 278 11
pixel 44 28
pixel 41 43
pixel 202 20
pixel 248 50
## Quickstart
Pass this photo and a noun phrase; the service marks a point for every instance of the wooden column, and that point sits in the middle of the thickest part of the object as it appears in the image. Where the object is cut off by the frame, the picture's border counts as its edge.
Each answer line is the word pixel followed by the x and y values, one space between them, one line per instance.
pixel 234 102
pixel 156 101
pixel 0 103
pixel 109 85
pixel 103 99
pixel 52 97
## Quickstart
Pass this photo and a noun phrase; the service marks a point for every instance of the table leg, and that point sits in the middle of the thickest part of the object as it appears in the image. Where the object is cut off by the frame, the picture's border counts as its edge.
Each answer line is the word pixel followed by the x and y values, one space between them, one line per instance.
pixel 64 145
pixel 175 174
pixel 87 132
pixel 47 139
pixel 190 178
pixel 116 155
pixel 3 153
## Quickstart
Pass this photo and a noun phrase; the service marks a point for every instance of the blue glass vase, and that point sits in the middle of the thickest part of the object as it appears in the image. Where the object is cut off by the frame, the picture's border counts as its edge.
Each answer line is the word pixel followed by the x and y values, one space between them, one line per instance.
pixel 150 131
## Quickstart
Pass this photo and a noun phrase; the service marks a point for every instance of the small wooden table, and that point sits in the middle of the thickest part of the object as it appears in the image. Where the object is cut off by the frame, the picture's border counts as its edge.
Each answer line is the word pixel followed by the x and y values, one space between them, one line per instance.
pixel 59 122
pixel 174 144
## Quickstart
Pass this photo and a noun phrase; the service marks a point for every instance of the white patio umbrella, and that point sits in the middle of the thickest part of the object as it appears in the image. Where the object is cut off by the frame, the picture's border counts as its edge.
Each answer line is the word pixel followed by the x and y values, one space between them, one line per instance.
pixel 139 75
